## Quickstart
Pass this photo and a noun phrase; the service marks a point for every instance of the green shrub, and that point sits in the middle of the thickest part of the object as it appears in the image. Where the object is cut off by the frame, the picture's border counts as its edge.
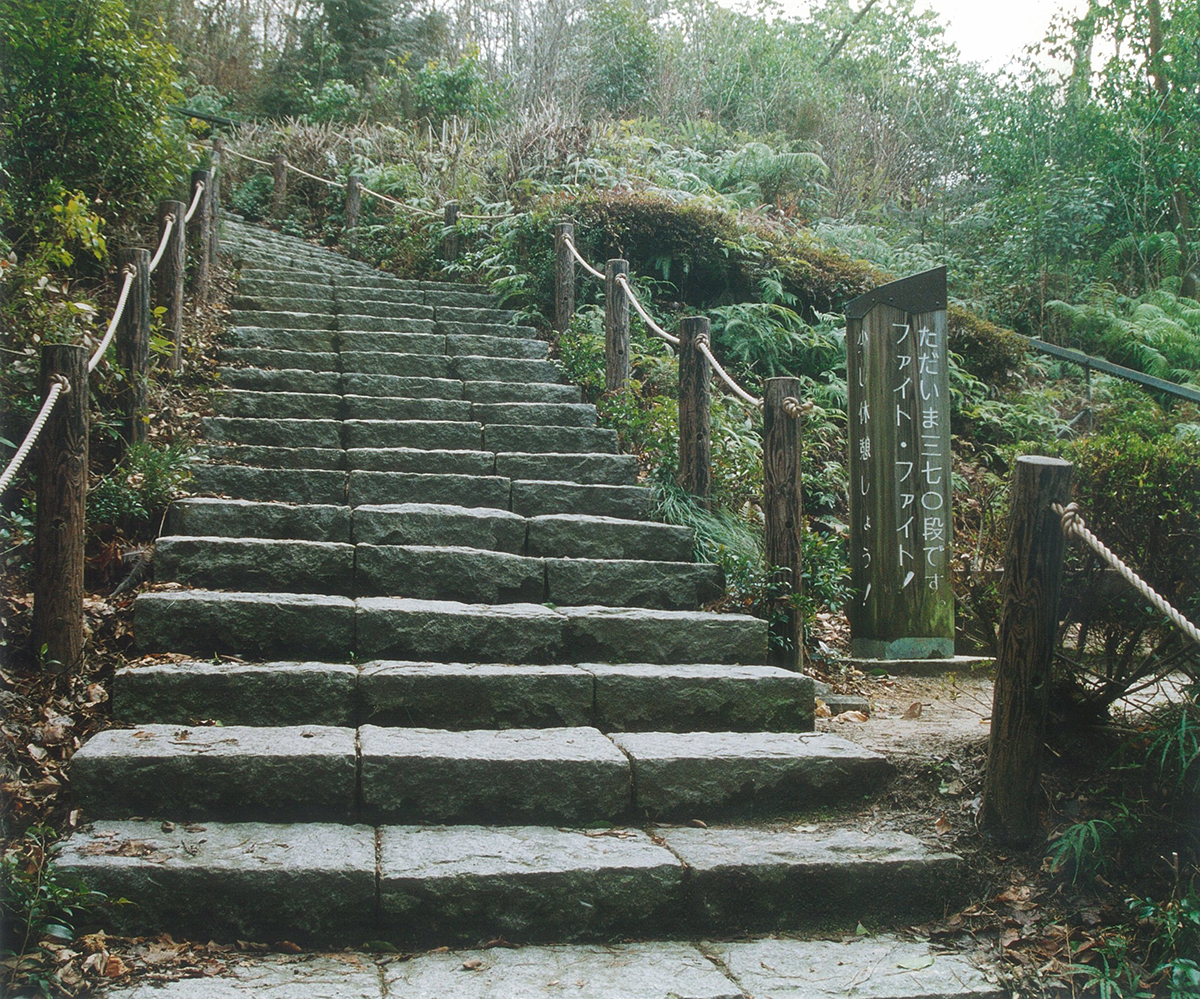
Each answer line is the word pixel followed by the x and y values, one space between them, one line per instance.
pixel 252 197
pixel 988 351
pixel 141 485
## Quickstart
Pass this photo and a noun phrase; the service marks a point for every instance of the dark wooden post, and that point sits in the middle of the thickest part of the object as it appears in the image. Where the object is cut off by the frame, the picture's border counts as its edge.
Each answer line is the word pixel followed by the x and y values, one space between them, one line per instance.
pixel 214 200
pixel 1028 622
pixel 61 496
pixel 279 190
pixel 616 327
pixel 695 442
pixel 168 278
pixel 783 512
pixel 450 239
pixel 133 345
pixel 564 276
pixel 201 234
pixel 353 206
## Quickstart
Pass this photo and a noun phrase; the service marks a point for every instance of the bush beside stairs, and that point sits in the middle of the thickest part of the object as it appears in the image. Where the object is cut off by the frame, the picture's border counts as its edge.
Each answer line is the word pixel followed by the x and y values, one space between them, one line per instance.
pixel 474 695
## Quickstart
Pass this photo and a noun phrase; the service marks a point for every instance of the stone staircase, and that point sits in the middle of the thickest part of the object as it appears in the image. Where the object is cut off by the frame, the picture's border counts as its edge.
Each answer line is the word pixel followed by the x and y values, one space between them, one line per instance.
pixel 473 691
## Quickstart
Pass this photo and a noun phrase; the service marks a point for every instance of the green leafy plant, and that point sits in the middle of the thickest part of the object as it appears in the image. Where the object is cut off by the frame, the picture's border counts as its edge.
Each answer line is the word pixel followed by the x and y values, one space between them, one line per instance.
pixel 1084 848
pixel 145 480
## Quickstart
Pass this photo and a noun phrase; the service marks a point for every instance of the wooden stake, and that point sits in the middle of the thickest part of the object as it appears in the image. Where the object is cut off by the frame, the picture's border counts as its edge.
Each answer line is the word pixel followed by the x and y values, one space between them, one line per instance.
pixel 279 191
pixel 564 276
pixel 616 327
pixel 133 345
pixel 450 239
pixel 61 499
pixel 783 511
pixel 214 243
pixel 695 441
pixel 1028 622
pixel 353 206
pixel 201 236
pixel 168 278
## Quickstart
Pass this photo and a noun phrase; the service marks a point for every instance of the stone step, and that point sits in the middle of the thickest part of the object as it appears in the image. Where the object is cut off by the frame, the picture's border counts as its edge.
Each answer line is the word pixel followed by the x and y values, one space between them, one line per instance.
pixel 279 405
pixel 489 345
pixel 432 435
pixel 325 883
pixel 236 518
pixel 605 469
pixel 379 407
pixel 544 414
pixel 366 488
pixel 335 303
pixel 218 563
pixel 273 625
pixel 286 360
pixel 398 386
pixel 493 392
pixel 533 498
pixel 454 327
pixel 408 342
pixel 273 433
pixel 549 439
pixel 318 340
pixel 569 774
pixel 585 469
pixel 577 536
pixel 456 696
pixel 410 459
pixel 438 524
pixel 275 457
pixel 286 380
pixel 291 320
pixel 277 485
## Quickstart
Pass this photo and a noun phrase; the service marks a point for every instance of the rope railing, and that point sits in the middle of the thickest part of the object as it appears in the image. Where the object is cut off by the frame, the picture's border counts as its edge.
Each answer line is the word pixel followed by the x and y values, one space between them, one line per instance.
pixel 247 156
pixel 130 273
pixel 623 281
pixel 1073 525
pixel 399 204
pixel 168 225
pixel 313 176
pixel 196 196
pixel 734 387
pixel 570 244
pixel 60 386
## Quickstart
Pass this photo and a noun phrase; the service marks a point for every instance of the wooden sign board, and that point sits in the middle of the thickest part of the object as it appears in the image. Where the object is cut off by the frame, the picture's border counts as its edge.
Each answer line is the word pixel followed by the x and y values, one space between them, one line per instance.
pixel 900 474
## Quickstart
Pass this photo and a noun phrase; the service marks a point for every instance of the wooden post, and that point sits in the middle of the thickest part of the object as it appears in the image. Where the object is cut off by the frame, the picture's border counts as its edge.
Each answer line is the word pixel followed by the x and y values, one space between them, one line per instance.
pixel 564 276
pixel 353 206
pixel 214 201
pixel 616 327
pixel 695 442
pixel 450 239
pixel 201 230
pixel 783 512
pixel 61 497
pixel 1028 622
pixel 168 278
pixel 133 345
pixel 279 190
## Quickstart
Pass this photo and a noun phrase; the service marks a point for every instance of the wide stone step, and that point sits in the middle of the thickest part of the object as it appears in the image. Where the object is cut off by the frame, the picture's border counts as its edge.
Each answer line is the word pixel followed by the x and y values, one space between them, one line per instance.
pixel 273 433
pixel 278 485
pixel 287 380
pixel 238 518
pixel 567 774
pixel 424 342
pixel 489 391
pixel 274 624
pixel 560 414
pixel 245 319
pixel 455 696
pixel 379 407
pixel 585 469
pixel 275 457
pixel 430 435
pixel 279 405
pixel 384 324
pixel 317 340
pixel 409 459
pixel 399 386
pixel 290 360
pixel 324 883
pixel 550 440
pixel 220 563
pixel 367 488
pixel 578 536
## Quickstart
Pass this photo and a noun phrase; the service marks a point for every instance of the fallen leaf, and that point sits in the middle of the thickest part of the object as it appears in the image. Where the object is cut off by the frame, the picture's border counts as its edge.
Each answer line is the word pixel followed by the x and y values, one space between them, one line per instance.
pixel 287 947
pixel 852 716
pixel 472 964
pixel 942 825
pixel 698 823
pixel 913 712
pixel 114 967
pixel 916 963
pixel 821 709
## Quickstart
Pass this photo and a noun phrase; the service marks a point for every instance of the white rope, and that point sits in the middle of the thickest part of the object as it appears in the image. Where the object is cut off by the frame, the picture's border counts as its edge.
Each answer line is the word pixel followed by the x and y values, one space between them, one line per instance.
pixel 734 387
pixel 582 263
pixel 313 176
pixel 795 408
pixel 1073 525
pixel 60 386
pixel 246 156
pixel 195 202
pixel 399 204
pixel 623 281
pixel 162 245
pixel 130 273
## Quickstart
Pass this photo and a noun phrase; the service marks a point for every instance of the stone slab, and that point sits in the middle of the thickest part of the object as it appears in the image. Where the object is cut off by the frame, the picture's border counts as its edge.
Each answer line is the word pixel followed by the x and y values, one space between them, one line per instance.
pixel 276 457
pixel 277 405
pixel 587 469
pixel 711 773
pixel 399 386
pixel 367 362
pixel 645 697
pixel 438 461
pixel 449 573
pixel 578 536
pixel 631 583
pixel 425 434
pixel 526 883
pixel 923 667
pixel 521 392
pixel 497 346
pixel 617 634
pixel 415 487
pixel 270 694
pixel 439 524
pixel 549 414
pixel 555 774
pixel 292 773
pixel 255 564
pixel 382 324
pixel 279 485
pixel 302 976
pixel 273 433
pixel 533 499
pixel 474 696
pixel 378 407
pixel 245 518
pixel 393 343
pixel 504 369
pixel 561 440
pixel 275 380
pixel 283 360
pixel 258 625
pixel 247 881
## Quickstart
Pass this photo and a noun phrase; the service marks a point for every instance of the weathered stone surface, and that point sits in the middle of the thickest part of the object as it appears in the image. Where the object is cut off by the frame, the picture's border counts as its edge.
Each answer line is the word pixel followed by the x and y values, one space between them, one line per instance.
pixel 434 524
pixel 476 314
pixel 314 300
pixel 470 695
pixel 392 343
pixel 280 485
pixel 539 440
pixel 521 392
pixel 233 772
pixel 497 346
pixel 590 469
pixel 281 693
pixel 414 487
pixel 379 324
pixel 379 407
pixel 612 634
pixel 307 976
pixel 276 457
pixel 452 327
pixel 246 518
pixel 289 360
pixel 875 967
pixel 274 433
pixel 680 772
pixel 555 774
pixel 254 329
pixel 791 878
pixel 359 306
pixel 398 386
pixel 262 625
pixel 409 365
pixel 525 883
pixel 628 583
pixel 575 536
pixel 505 369
pixel 535 498
pixel 289 380
pixel 277 405
pixel 546 414
pixel 628 971
pixel 425 434
pixel 242 881
pixel 449 573
pixel 702 698
pixel 448 631
pixel 410 459
pixel 255 564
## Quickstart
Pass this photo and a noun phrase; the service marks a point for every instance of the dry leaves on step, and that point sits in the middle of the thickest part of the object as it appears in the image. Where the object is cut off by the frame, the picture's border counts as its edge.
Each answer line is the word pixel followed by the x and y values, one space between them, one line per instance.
pixel 821 709
pixel 852 716
pixel 913 712
pixel 472 964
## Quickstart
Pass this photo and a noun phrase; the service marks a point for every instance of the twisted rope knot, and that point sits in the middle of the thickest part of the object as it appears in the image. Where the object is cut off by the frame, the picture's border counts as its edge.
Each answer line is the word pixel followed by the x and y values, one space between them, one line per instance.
pixel 795 408
pixel 702 338
pixel 129 270
pixel 64 382
pixel 1072 519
